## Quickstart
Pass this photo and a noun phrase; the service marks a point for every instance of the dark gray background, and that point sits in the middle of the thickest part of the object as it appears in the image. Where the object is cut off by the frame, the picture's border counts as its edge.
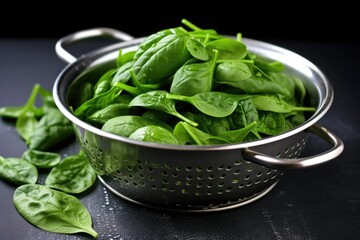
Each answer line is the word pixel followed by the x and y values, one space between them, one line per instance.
pixel 293 20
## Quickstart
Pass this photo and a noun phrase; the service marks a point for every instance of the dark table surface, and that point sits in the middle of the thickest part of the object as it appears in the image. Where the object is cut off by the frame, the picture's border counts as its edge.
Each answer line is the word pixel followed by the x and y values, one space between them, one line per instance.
pixel 322 202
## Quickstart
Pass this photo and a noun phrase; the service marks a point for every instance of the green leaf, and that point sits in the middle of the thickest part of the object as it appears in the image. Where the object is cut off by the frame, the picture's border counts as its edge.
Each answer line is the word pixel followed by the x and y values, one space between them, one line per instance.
pixel 158 62
pixel 228 48
pixel 208 124
pixel 238 135
pixel 17 171
pixel 99 102
pixel 194 78
pixel 270 123
pixel 275 104
pixel 52 129
pixel 25 126
pixel 197 49
pixel 28 108
pixel 158 100
pixel 215 104
pixel 111 111
pixel 153 133
pixel 52 210
pixel 232 73
pixel 124 58
pixel 185 133
pixel 85 92
pixel 126 125
pixel 73 174
pixel 153 39
pixel 244 114
pixel 41 159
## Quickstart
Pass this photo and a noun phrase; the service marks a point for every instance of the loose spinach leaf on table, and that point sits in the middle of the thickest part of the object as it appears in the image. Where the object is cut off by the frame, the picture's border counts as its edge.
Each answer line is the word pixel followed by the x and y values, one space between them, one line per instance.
pixel 52 210
pixel 41 159
pixel 73 174
pixel 17 171
pixel 52 129
pixel 42 126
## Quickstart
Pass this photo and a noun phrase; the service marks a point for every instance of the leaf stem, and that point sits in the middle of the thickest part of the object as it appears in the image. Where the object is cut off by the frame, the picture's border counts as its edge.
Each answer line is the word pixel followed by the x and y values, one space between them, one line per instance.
pixel 190 25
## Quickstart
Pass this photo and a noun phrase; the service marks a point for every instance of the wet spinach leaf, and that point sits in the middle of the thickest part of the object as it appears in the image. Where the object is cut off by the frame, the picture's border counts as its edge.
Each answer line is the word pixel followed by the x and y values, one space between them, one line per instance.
pixel 152 133
pixel 126 125
pixel 52 129
pixel 158 100
pixel 52 210
pixel 194 78
pixel 73 174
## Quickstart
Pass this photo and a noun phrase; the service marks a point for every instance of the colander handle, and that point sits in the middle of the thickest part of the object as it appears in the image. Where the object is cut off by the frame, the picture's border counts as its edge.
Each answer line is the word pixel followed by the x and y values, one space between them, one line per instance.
pixel 86 34
pixel 287 163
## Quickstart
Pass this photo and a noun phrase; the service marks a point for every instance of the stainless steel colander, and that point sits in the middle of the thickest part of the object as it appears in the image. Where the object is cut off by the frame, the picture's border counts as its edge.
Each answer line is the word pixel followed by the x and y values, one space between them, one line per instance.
pixel 192 178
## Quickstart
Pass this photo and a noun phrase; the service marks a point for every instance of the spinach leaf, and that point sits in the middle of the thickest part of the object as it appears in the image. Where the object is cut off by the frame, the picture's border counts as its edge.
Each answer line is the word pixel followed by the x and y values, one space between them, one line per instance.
pixel 104 83
pixel 41 159
pixel 153 39
pixel 267 66
pixel 270 123
pixel 98 102
pixel 29 108
pixel 25 126
pixel 85 93
pixel 73 174
pixel 153 133
pixel 111 111
pixel 124 58
pixel 293 120
pixel 158 100
pixel 52 129
pixel 275 104
pixel 17 171
pixel 228 48
pixel 208 124
pixel 238 135
pixel 244 114
pixel 197 32
pixel 232 72
pixel 157 115
pixel 215 104
pixel 197 49
pixel 194 78
pixel 238 75
pixel 122 74
pixel 52 210
pixel 126 125
pixel 186 133
pixel 158 63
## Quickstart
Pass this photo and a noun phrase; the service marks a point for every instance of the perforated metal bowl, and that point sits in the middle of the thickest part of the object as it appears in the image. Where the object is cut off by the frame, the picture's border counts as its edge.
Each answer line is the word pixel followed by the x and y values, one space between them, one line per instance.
pixel 192 178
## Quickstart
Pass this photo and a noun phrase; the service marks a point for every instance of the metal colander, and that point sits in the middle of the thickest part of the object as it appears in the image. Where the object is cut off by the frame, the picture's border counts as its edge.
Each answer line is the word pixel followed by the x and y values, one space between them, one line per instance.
pixel 191 178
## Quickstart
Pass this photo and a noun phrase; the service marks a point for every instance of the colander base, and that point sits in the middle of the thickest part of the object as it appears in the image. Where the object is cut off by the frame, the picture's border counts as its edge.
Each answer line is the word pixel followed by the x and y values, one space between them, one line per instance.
pixel 216 208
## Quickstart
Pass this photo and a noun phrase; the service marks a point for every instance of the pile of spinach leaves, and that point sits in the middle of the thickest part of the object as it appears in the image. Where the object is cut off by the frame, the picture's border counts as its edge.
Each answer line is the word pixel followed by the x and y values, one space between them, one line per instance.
pixel 52 205
pixel 197 87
